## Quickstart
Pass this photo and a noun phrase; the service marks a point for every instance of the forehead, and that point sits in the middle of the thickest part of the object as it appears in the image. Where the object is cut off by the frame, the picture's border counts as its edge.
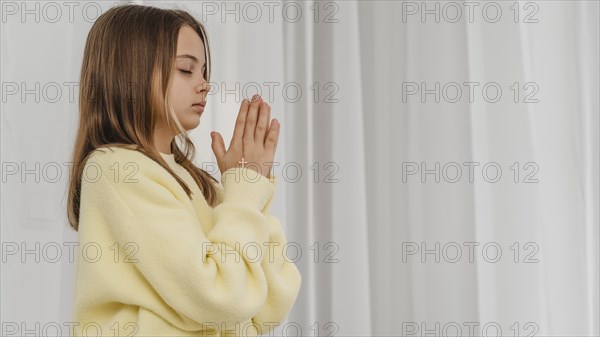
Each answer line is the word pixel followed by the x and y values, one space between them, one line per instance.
pixel 189 42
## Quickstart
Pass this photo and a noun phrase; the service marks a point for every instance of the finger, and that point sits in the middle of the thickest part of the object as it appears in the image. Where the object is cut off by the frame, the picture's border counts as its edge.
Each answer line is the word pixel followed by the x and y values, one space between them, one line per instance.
pixel 271 141
pixel 278 127
pixel 251 119
pixel 218 147
pixel 240 124
pixel 261 126
pixel 268 119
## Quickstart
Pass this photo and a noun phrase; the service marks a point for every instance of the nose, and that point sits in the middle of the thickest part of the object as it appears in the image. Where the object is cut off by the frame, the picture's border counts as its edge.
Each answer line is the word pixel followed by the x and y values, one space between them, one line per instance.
pixel 203 86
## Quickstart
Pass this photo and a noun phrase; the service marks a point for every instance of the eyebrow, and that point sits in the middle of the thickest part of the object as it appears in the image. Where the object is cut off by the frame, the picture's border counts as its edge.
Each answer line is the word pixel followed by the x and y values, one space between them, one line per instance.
pixel 188 56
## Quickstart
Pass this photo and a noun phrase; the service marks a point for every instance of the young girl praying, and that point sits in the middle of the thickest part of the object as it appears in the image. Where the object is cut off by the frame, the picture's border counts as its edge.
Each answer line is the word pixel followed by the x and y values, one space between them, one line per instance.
pixel 165 248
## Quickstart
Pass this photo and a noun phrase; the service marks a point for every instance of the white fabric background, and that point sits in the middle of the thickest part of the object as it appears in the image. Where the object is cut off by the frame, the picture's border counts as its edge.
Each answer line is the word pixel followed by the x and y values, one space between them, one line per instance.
pixel 368 136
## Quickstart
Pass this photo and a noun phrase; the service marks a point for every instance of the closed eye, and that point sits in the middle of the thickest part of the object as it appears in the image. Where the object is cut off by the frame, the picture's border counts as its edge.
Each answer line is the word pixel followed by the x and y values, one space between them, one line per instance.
pixel 185 71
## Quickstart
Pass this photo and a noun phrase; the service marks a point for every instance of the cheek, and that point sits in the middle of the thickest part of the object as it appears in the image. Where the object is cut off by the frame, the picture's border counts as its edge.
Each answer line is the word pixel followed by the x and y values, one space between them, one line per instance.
pixel 175 95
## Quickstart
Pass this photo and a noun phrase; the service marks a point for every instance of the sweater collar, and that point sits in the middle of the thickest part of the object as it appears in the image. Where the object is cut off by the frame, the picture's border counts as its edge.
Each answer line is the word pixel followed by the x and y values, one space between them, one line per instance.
pixel 168 157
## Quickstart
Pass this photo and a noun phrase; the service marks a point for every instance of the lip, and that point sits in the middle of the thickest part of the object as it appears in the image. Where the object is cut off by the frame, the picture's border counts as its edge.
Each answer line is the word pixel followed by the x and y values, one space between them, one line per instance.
pixel 199 106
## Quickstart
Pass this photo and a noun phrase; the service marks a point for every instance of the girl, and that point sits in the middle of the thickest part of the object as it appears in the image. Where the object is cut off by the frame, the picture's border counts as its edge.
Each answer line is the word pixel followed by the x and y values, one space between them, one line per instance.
pixel 165 249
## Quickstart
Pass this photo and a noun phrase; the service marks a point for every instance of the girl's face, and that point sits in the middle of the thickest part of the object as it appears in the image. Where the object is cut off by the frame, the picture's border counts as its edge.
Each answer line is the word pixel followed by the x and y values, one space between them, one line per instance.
pixel 189 87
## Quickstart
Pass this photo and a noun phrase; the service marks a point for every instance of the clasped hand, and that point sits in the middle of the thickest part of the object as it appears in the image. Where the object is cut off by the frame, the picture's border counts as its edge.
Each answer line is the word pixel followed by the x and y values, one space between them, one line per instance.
pixel 254 139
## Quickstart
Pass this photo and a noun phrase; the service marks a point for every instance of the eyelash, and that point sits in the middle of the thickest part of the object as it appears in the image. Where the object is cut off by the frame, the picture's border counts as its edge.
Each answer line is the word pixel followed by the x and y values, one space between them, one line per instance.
pixel 186 71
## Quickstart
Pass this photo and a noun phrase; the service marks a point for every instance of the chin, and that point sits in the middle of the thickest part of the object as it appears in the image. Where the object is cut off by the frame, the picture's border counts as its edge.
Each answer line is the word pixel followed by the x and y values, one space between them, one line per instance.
pixel 191 123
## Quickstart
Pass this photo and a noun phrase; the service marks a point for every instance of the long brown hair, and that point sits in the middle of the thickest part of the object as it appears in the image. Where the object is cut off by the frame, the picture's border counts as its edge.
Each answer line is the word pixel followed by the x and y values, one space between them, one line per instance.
pixel 125 78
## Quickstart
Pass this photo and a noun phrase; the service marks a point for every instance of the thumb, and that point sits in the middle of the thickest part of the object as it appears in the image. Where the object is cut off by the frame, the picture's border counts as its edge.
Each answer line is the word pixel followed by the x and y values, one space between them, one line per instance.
pixel 218 146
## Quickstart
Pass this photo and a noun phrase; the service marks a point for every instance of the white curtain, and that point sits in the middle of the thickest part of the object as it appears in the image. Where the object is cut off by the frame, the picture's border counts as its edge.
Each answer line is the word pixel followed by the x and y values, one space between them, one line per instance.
pixel 354 86
pixel 555 141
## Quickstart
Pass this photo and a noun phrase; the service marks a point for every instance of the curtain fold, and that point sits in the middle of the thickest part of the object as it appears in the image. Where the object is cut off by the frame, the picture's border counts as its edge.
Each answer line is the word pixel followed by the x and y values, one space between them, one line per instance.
pixel 549 226
pixel 388 102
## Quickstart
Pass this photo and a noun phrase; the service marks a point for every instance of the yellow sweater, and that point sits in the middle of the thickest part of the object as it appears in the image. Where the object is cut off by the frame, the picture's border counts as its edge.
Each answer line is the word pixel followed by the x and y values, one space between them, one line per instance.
pixel 152 262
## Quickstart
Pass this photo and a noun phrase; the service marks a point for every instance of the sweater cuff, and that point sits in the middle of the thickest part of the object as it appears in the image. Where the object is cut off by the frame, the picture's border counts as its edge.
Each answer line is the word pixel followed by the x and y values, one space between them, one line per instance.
pixel 248 187
pixel 267 208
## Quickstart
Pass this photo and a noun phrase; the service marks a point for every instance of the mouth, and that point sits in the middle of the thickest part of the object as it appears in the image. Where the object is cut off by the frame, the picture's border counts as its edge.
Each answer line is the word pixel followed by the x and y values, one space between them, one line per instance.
pixel 199 106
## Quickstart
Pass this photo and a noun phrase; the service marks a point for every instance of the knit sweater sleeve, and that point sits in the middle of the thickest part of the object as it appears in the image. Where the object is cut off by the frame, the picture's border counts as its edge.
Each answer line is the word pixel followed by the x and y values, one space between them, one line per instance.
pixel 277 267
pixel 212 278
